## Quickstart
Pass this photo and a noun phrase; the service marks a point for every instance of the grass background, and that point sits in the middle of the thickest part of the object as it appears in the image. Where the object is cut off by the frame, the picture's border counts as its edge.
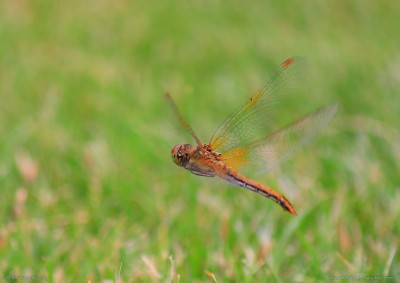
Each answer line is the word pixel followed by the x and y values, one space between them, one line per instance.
pixel 88 190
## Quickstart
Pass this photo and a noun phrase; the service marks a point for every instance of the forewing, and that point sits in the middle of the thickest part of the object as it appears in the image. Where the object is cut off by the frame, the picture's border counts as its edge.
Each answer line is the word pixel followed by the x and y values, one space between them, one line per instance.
pixel 266 153
pixel 181 120
pixel 260 114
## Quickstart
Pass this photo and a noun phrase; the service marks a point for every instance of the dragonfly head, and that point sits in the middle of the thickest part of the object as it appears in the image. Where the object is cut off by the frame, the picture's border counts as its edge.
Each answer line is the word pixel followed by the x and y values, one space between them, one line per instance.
pixel 180 154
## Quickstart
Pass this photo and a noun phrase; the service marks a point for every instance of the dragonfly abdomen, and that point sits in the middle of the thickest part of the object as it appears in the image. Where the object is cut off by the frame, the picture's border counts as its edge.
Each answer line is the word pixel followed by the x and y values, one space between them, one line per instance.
pixel 244 182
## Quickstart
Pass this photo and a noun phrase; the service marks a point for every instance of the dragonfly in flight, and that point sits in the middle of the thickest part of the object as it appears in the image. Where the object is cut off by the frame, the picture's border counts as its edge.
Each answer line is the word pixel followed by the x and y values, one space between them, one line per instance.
pixel 242 141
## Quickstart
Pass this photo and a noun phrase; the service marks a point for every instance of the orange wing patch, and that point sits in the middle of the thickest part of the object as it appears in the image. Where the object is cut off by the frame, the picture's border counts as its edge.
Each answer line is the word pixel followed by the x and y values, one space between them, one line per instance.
pixel 217 142
pixel 236 158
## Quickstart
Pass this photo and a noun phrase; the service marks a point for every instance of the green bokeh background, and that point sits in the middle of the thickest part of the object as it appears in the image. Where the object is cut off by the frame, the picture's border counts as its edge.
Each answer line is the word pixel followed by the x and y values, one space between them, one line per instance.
pixel 88 190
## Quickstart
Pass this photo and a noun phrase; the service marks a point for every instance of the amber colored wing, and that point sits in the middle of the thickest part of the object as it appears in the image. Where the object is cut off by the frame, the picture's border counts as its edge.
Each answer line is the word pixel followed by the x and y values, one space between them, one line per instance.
pixel 266 153
pixel 260 114
pixel 181 120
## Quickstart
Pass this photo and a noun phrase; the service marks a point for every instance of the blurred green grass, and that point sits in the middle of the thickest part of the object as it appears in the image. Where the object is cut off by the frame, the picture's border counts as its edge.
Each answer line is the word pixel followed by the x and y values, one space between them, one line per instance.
pixel 89 192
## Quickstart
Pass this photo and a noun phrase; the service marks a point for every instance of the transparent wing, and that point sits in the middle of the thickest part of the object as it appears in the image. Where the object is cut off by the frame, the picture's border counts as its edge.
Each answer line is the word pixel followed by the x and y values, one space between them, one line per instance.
pixel 181 120
pixel 266 153
pixel 260 114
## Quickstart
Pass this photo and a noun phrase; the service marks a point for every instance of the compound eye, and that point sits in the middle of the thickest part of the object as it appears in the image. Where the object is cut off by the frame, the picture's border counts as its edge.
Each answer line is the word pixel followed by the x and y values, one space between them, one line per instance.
pixel 179 154
pixel 176 150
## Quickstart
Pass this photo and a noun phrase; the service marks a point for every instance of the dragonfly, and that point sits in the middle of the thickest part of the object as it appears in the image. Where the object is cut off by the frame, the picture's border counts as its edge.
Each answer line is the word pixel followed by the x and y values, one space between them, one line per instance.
pixel 249 138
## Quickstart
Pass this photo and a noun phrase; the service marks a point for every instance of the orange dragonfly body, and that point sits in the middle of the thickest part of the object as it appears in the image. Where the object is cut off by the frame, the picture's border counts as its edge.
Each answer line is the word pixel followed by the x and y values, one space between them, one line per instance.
pixel 240 142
